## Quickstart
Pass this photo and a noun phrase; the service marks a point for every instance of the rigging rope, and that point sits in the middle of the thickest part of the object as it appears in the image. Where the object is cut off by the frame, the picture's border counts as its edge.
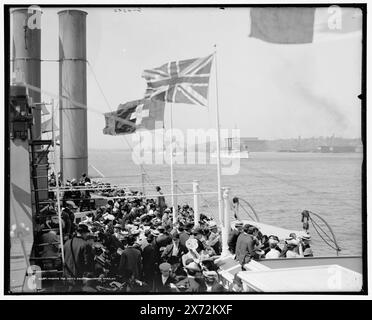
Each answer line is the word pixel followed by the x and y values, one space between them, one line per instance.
pixel 251 207
pixel 337 248
pixel 246 211
pixel 314 222
pixel 317 227
pixel 122 137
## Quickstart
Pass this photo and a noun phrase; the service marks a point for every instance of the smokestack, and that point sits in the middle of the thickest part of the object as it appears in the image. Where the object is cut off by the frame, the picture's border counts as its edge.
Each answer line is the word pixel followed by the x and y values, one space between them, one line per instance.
pixel 26 43
pixel 26 49
pixel 73 92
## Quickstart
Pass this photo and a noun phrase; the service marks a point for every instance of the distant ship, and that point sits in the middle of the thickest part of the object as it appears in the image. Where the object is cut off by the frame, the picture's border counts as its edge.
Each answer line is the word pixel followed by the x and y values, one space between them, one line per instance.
pixel 233 150
pixel 234 154
pixel 338 149
pixel 289 150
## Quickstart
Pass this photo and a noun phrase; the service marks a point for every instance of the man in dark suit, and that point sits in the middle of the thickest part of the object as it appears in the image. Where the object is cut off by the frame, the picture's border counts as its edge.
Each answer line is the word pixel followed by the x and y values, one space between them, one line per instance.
pixel 165 282
pixel 131 261
pixel 245 245
pixel 163 239
pixel 211 282
pixel 198 235
pixel 190 284
pixel 50 239
pixel 233 236
pixel 149 261
pixel 174 249
pixel 161 200
pixel 184 235
pixel 79 257
pixel 214 238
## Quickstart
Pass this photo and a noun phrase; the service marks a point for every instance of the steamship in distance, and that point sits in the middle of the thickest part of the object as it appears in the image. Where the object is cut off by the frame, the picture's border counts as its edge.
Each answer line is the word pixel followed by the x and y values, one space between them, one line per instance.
pixel 234 150
pixel 319 145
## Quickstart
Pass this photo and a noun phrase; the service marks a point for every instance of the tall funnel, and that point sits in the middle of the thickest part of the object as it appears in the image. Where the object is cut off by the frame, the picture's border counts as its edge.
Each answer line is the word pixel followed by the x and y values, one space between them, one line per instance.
pixel 73 93
pixel 26 43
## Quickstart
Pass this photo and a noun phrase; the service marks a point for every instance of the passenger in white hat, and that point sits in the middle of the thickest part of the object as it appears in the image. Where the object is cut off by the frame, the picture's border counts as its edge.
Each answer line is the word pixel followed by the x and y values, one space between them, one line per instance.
pixel 214 238
pixel 306 248
pixel 273 253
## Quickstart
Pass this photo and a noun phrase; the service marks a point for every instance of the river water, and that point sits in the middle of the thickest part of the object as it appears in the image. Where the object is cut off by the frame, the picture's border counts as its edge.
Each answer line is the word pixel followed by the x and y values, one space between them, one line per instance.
pixel 278 186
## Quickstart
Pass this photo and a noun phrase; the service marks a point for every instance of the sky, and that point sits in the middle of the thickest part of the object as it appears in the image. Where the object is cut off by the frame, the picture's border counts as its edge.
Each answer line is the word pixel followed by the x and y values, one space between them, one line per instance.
pixel 266 90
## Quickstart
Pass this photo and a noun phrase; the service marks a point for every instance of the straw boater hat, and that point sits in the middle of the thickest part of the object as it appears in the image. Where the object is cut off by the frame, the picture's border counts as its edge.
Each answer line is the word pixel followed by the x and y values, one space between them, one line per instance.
pixel 155 232
pixel 292 240
pixel 193 266
pixel 161 229
pixel 210 274
pixel 165 266
pixel 108 216
pixel 212 224
pixel 71 204
pixel 191 244
pixel 273 240
pixel 134 232
pixel 306 237
pixel 259 251
pixel 132 227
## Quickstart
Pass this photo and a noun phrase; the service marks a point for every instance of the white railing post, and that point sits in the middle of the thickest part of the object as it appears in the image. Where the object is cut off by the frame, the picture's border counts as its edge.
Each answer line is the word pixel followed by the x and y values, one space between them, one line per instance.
pixel 226 224
pixel 175 202
pixel 196 190
pixel 143 175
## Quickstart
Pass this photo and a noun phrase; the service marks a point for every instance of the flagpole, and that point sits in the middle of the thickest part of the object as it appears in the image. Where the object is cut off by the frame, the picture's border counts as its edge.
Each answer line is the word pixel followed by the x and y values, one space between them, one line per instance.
pixel 141 166
pixel 53 123
pixel 57 189
pixel 220 211
pixel 171 164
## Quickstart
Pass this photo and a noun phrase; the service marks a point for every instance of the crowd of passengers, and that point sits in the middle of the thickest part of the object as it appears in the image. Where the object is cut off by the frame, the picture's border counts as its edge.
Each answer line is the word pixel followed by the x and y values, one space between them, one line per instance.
pixel 132 245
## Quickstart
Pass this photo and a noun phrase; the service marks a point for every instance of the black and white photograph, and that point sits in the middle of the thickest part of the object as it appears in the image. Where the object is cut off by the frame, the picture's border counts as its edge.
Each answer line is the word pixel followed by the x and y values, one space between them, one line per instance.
pixel 185 149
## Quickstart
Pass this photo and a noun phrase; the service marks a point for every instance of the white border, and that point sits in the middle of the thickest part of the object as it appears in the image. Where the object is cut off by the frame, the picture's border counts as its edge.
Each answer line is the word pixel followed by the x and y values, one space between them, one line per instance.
pixel 174 297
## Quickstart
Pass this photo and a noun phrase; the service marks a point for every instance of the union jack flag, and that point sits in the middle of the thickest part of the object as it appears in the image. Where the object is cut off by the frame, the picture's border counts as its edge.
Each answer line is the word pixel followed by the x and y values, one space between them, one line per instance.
pixel 184 81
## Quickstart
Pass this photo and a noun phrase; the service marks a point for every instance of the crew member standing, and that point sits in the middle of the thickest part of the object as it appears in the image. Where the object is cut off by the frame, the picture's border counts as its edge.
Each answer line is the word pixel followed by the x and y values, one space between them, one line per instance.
pixel 131 261
pixel 233 236
pixel 161 201
pixel 79 256
pixel 245 245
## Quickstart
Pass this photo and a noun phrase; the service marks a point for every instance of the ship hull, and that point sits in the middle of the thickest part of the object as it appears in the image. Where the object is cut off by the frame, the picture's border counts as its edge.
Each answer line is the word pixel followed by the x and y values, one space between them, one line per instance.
pixel 233 155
